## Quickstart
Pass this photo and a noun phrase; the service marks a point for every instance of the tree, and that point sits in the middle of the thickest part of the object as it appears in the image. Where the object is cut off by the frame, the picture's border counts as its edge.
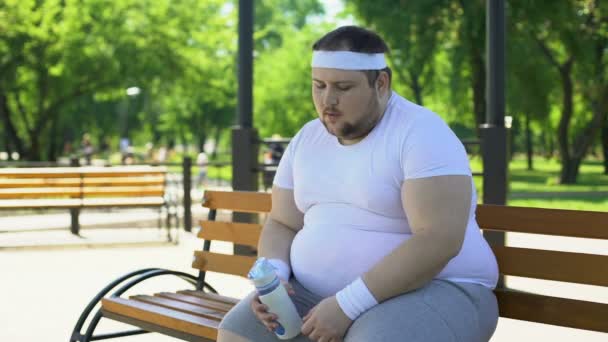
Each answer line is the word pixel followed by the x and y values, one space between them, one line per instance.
pixel 56 53
pixel 283 89
pixel 572 37
pixel 530 81
pixel 412 30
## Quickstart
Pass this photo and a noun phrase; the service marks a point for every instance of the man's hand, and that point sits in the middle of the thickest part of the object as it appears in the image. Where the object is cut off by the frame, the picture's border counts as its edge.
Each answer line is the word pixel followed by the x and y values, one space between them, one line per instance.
pixel 326 322
pixel 260 310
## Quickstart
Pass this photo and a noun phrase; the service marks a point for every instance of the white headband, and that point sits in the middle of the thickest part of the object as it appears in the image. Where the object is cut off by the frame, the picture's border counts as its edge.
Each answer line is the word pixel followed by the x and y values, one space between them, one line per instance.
pixel 348 60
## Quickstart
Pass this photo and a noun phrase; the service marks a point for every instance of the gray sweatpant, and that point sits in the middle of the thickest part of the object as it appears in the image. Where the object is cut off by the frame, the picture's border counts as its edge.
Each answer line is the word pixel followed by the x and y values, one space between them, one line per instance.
pixel 441 311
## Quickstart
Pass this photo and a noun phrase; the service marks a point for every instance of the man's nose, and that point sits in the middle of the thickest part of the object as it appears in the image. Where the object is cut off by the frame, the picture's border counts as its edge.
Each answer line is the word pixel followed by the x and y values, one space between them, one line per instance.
pixel 330 98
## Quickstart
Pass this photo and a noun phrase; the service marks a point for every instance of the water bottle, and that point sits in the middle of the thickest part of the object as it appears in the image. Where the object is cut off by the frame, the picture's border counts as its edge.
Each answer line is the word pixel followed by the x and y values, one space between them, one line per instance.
pixel 274 295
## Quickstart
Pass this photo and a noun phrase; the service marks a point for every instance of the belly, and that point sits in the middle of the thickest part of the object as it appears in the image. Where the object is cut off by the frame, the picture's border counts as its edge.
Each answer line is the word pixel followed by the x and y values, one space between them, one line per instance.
pixel 325 258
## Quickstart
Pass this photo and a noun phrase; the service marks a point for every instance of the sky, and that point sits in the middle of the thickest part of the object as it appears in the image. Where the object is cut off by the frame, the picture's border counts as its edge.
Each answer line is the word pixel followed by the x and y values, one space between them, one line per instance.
pixel 333 8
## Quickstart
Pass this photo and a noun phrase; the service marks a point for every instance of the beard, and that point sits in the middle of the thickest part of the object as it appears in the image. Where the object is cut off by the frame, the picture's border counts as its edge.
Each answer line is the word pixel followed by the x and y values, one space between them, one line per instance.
pixel 360 128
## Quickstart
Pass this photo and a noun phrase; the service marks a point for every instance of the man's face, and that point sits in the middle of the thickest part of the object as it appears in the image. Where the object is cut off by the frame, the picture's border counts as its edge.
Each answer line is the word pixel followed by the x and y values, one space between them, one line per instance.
pixel 346 104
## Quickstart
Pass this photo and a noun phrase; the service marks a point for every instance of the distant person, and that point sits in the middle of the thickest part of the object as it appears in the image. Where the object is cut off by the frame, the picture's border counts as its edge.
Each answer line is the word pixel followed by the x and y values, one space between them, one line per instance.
pixel 67 148
pixel 161 156
pixel 149 156
pixel 201 161
pixel 87 148
pixel 276 152
pixel 123 146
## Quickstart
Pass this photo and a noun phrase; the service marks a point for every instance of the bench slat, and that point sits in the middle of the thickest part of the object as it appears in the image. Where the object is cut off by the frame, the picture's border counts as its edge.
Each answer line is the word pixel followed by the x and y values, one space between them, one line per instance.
pixel 126 191
pixel 38 183
pixel 241 201
pixel 573 223
pixel 77 172
pixel 223 263
pixel 163 317
pixel 180 306
pixel 58 172
pixel 180 335
pixel 553 265
pixel 122 172
pixel 125 181
pixel 553 310
pixel 239 233
pixel 210 296
pixel 196 300
pixel 39 192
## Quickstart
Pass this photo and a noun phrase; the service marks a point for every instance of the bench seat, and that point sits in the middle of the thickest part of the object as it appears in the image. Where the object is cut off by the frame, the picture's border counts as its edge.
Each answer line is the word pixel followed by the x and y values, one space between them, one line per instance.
pixel 197 314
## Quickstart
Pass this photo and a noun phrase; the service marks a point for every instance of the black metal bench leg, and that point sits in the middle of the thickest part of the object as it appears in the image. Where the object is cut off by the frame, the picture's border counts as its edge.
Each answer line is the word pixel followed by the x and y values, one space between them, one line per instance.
pixel 75 226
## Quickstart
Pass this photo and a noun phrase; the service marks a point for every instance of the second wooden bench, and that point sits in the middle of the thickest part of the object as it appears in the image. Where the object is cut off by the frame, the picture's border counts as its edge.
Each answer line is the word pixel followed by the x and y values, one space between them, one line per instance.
pixel 77 188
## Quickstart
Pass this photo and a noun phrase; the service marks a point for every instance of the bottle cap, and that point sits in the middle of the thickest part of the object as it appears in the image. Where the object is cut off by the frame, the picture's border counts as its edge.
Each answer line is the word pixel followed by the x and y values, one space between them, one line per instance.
pixel 262 272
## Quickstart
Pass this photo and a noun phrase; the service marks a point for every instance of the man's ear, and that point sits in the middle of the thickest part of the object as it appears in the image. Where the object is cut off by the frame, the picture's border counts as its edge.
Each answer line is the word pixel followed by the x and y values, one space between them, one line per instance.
pixel 382 82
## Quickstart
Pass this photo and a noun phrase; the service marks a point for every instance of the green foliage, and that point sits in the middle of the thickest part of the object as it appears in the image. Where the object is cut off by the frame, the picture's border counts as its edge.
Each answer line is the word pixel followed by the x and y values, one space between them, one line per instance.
pixel 65 65
pixel 65 62
pixel 412 31
pixel 282 91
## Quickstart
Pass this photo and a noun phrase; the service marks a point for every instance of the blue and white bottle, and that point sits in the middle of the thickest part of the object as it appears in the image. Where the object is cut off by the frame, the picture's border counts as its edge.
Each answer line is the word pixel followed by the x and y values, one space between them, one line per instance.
pixel 274 295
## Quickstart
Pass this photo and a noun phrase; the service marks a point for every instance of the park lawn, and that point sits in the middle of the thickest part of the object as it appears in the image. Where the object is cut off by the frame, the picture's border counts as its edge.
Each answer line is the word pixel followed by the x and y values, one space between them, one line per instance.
pixel 526 188
pixel 539 188
pixel 223 172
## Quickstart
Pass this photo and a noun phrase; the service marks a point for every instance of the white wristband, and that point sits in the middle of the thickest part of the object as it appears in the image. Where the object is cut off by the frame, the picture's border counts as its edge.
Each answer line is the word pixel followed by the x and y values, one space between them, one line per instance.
pixel 283 270
pixel 355 299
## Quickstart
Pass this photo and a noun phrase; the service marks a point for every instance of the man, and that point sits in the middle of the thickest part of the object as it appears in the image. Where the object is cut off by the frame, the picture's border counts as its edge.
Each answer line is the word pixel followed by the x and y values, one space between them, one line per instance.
pixel 373 216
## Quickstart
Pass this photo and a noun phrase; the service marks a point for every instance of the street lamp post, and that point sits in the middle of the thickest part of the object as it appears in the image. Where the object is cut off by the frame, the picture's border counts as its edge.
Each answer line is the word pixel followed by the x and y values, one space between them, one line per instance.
pixel 494 134
pixel 131 92
pixel 244 136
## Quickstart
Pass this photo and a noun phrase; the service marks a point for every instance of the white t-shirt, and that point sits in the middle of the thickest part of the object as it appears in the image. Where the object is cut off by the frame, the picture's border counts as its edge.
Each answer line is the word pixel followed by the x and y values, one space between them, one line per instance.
pixel 351 197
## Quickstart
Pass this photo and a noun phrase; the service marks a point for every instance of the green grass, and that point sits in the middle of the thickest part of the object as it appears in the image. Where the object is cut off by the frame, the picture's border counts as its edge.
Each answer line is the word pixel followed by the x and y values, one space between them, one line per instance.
pixel 592 204
pixel 224 172
pixel 526 188
pixel 537 188
pixel 524 184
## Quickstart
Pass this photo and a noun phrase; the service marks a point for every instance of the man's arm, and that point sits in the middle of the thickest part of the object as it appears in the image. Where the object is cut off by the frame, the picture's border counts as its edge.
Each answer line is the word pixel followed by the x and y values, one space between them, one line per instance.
pixel 281 226
pixel 437 209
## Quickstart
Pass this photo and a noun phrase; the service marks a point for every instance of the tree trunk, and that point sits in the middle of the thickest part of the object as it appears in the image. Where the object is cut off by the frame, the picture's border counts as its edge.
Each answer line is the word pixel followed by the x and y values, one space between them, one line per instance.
pixel 416 88
pixel 216 137
pixel 564 124
pixel 202 138
pixel 551 152
pixel 182 138
pixel 34 150
pixel 570 169
pixel 529 151
pixel 479 88
pixel 474 33
pixel 9 127
pixel 604 138
pixel 53 143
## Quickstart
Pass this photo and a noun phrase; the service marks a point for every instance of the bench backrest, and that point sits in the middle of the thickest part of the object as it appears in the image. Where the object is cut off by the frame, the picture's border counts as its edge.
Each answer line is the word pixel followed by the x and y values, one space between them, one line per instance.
pixel 539 263
pixel 238 233
pixel 522 262
pixel 82 182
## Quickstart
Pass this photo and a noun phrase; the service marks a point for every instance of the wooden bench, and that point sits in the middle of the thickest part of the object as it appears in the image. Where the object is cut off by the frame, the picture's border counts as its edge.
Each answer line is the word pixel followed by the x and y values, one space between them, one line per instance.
pixel 77 188
pixel 194 314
